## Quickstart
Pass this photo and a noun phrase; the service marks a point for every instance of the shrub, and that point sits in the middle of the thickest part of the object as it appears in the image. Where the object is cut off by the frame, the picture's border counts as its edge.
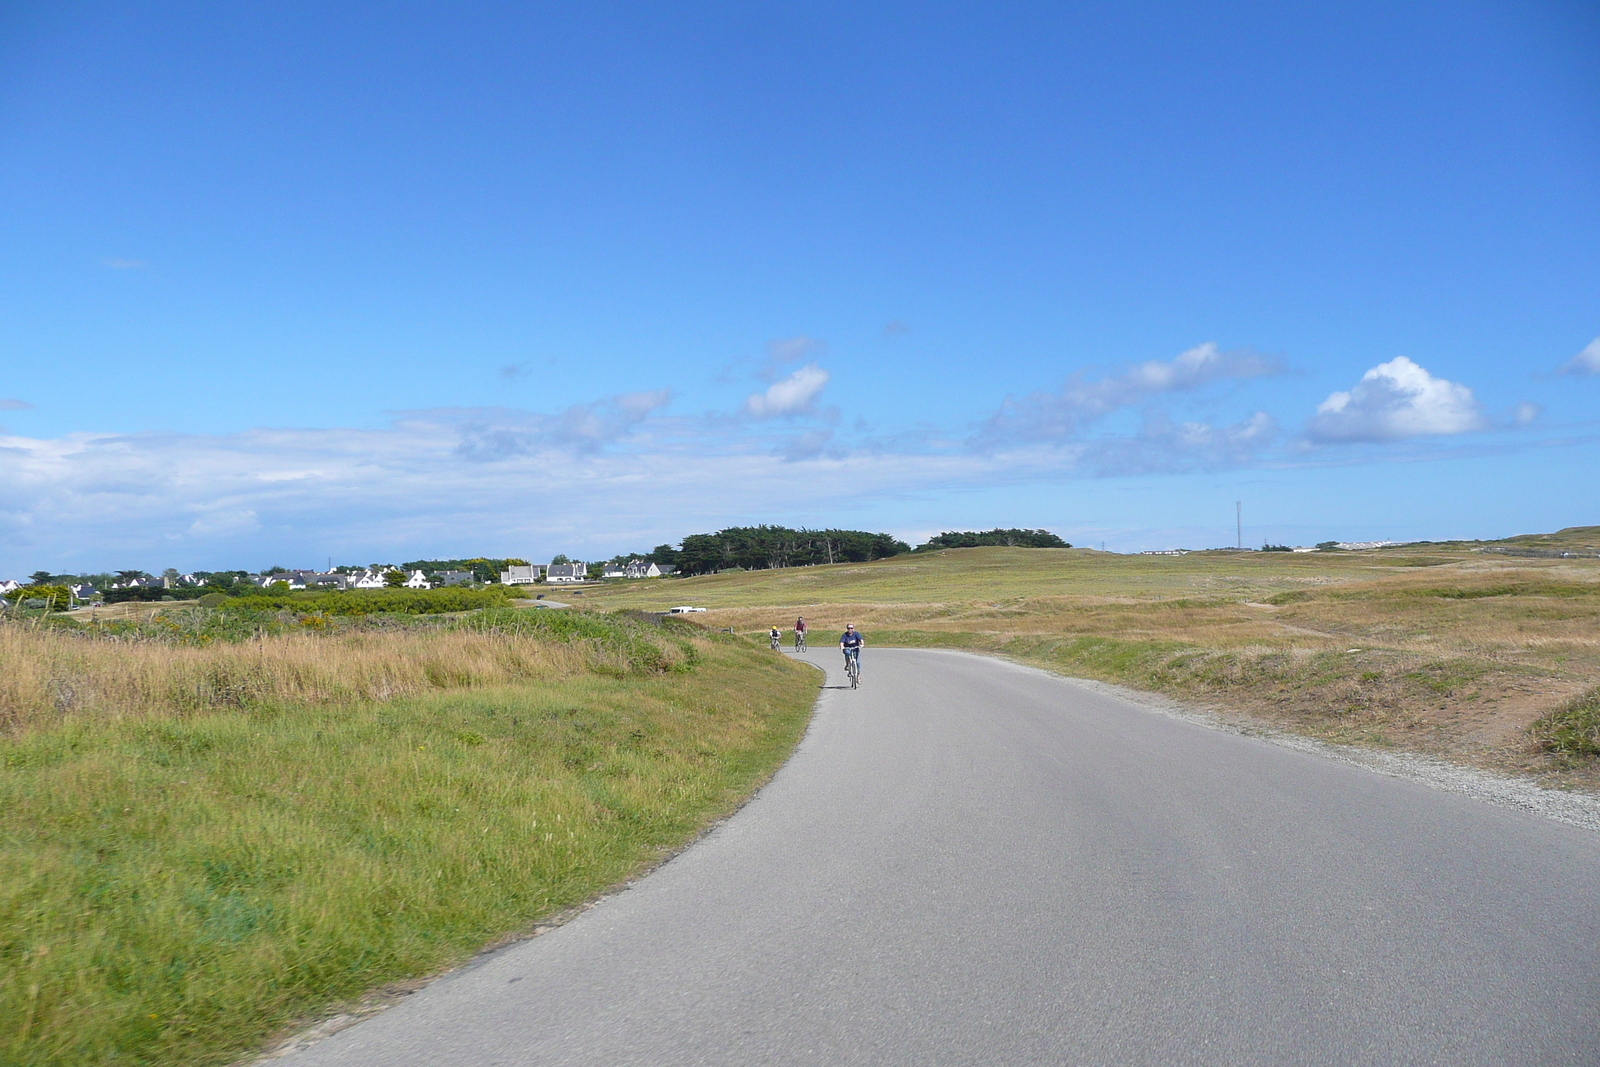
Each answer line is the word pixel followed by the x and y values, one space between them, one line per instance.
pixel 1572 729
pixel 385 601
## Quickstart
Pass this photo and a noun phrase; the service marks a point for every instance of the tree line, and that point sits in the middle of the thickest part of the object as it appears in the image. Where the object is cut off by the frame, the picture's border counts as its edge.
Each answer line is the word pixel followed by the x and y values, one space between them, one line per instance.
pixel 991 538
pixel 774 547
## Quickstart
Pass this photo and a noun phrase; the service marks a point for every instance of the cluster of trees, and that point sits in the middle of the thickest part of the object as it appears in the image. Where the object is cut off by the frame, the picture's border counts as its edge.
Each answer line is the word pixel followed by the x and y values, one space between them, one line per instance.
pixel 1006 538
pixel 772 547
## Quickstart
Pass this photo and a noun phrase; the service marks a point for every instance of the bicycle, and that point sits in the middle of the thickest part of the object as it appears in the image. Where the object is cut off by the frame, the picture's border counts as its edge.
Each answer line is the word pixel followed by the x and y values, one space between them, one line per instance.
pixel 852 667
pixel 800 641
pixel 774 636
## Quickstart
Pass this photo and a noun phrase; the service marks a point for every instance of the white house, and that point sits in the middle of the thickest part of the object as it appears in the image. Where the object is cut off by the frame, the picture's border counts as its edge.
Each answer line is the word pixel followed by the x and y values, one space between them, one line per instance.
pixel 636 568
pixel 370 579
pixel 516 574
pixel 566 572
pixel 9 586
pixel 444 578
pixel 418 580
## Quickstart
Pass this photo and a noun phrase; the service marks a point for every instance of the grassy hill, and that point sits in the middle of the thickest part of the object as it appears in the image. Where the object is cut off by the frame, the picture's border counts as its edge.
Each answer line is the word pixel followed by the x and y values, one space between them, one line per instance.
pixel 1457 649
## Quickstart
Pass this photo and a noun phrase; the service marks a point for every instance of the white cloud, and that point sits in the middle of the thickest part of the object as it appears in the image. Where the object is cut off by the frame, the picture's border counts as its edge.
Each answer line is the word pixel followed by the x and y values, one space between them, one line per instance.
pixel 1584 363
pixel 1525 413
pixel 1394 401
pixel 9 404
pixel 794 395
pixel 1058 416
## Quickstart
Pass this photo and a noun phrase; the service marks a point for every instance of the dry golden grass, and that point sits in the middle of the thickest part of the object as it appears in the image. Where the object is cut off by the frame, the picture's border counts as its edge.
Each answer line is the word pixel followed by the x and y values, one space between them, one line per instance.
pixel 182 661
pixel 50 676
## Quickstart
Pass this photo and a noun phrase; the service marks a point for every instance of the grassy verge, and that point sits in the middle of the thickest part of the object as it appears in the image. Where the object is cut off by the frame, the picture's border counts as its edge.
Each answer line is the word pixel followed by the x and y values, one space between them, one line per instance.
pixel 178 883
pixel 1377 696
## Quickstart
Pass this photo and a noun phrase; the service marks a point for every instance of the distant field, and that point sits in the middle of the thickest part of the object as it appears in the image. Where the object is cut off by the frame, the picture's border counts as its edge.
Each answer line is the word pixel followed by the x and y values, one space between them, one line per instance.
pixel 1454 649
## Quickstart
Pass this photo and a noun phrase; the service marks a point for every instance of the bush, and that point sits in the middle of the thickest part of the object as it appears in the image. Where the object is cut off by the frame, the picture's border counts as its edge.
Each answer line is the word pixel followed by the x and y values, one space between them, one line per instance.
pixel 49 597
pixel 1572 729
pixel 383 601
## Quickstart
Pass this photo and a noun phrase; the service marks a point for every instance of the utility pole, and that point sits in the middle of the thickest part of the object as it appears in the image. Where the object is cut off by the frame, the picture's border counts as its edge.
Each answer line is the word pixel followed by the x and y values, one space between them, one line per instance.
pixel 1238 521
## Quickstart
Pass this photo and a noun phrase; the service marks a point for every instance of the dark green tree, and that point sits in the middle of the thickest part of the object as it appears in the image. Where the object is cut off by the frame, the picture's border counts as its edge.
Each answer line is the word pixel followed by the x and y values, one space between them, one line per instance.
pixel 996 537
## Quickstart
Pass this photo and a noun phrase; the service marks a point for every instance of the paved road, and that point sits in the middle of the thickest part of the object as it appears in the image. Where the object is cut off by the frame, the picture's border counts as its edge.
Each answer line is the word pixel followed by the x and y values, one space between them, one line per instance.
pixel 968 862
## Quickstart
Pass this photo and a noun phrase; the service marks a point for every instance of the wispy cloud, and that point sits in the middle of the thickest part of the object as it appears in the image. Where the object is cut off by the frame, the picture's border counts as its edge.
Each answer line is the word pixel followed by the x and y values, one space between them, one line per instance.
pixel 124 264
pixel 10 404
pixel 794 395
pixel 154 499
pixel 1584 363
pixel 1164 446
pixel 775 360
pixel 489 434
pixel 789 351
pixel 1394 401
pixel 895 328
pixel 1082 401
pixel 615 473
pixel 808 445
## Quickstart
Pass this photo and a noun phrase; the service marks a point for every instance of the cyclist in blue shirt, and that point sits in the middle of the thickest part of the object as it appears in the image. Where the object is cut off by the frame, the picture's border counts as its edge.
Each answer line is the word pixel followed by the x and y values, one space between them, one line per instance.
pixel 850 642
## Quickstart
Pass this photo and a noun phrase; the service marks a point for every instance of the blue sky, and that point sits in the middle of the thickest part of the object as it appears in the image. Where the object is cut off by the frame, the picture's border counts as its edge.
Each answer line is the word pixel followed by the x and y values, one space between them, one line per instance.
pixel 283 282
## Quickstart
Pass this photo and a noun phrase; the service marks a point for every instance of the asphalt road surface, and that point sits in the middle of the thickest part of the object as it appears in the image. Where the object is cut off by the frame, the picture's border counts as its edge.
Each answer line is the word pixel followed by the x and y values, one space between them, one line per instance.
pixel 969 862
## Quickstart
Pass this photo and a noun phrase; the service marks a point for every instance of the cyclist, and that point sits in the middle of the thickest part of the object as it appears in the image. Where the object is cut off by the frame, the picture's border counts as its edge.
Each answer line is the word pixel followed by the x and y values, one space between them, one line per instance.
pixel 800 634
pixel 773 635
pixel 850 644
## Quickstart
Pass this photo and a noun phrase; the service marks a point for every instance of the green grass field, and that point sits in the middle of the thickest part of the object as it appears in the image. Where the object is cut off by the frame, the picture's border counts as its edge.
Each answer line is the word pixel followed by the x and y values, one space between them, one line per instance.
pixel 179 882
pixel 1454 649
